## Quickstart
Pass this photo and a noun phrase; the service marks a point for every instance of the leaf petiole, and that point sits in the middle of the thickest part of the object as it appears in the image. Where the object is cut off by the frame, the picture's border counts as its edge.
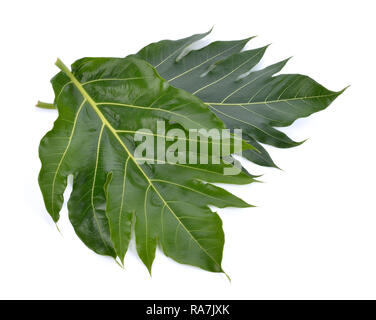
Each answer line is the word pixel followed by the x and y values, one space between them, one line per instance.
pixel 45 105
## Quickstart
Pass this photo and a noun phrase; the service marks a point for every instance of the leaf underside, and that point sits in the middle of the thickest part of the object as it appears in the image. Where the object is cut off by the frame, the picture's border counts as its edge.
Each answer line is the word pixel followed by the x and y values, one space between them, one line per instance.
pixel 258 102
pixel 101 103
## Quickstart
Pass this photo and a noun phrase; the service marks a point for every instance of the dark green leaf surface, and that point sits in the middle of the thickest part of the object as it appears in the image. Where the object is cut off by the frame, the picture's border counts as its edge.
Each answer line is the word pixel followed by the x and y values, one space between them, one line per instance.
pixel 258 102
pixel 101 103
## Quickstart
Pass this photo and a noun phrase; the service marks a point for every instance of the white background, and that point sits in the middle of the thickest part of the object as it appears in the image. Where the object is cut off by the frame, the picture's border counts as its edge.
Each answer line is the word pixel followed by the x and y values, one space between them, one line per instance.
pixel 313 234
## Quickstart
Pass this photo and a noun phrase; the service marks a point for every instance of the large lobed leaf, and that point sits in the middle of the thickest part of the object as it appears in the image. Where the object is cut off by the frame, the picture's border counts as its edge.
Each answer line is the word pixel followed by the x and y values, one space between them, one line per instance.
pixel 101 103
pixel 221 75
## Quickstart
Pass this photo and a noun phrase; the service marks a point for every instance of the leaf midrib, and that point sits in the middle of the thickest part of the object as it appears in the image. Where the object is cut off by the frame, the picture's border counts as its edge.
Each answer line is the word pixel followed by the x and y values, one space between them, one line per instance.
pixel 272 101
pixel 106 123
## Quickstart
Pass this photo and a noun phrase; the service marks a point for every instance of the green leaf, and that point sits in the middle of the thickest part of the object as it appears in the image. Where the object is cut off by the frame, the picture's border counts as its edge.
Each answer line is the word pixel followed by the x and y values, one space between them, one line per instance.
pixel 101 103
pixel 258 102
